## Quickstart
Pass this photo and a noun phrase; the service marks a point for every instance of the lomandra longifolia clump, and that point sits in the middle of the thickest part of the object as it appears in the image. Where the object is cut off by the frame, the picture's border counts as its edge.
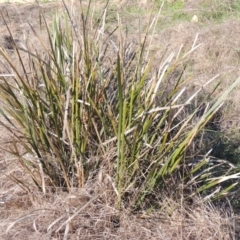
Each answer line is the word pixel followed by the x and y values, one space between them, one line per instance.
pixel 92 95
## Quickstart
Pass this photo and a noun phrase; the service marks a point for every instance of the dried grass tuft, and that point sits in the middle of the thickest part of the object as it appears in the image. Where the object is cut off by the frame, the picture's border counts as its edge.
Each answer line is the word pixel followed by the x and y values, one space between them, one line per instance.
pixel 91 214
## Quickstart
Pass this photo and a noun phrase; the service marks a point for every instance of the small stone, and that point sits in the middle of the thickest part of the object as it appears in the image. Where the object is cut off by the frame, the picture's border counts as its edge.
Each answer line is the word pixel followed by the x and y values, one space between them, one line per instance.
pixel 194 19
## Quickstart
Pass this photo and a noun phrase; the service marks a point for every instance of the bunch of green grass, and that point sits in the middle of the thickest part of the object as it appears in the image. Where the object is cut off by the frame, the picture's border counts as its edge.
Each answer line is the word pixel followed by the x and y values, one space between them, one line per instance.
pixel 88 95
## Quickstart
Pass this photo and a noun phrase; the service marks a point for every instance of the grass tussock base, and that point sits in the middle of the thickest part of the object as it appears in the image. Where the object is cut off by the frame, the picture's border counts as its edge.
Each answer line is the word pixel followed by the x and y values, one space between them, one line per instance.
pixel 86 214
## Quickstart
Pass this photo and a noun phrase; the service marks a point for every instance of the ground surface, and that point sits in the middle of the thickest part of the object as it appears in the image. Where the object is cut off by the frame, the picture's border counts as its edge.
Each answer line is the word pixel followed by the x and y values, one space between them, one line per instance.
pixel 218 54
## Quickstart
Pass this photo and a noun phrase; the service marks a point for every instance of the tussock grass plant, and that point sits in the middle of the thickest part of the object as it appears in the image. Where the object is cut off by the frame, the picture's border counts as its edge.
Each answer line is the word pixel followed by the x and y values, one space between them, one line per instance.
pixel 92 93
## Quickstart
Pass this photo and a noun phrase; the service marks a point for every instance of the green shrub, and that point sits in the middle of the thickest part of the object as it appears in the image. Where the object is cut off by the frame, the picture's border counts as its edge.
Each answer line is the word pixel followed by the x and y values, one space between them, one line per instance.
pixel 90 95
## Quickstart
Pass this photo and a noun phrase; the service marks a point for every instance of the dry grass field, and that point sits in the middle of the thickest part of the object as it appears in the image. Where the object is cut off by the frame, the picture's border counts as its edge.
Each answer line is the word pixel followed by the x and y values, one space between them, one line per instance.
pixel 91 212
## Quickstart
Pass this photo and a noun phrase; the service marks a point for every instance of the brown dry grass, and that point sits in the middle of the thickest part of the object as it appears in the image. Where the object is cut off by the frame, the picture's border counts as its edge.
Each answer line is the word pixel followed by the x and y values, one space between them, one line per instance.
pixel 90 214
pixel 45 217
pixel 37 216
pixel 218 54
